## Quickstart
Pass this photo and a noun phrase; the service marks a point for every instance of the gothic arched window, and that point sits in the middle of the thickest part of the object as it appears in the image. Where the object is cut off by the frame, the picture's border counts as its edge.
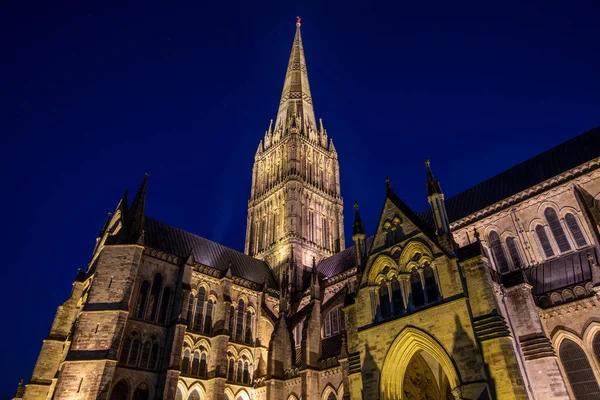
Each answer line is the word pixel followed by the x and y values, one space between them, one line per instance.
pixel 164 306
pixel 146 347
pixel 125 350
pixel 141 393
pixel 239 329
pixel 248 336
pixel 397 300
pixel 557 230
pixel 384 301
pixel 185 363
pixel 579 371
pixel 190 313
pixel 246 373
pixel 196 364
pixel 231 320
pixel 194 395
pixel 208 318
pixel 134 353
pixel 431 287
pixel 498 252
pixel 230 370
pixel 199 310
pixel 120 391
pixel 416 288
pixel 513 252
pixel 203 364
pixel 154 356
pixel 142 298
pixel 575 230
pixel 541 234
pixel 151 310
pixel 240 371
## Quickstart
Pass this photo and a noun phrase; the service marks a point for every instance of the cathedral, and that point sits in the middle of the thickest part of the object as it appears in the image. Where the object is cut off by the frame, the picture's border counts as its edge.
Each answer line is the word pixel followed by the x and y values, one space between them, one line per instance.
pixel 491 294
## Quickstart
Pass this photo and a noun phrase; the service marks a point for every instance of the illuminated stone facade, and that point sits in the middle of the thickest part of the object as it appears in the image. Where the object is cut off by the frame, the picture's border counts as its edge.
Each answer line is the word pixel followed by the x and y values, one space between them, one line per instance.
pixel 490 294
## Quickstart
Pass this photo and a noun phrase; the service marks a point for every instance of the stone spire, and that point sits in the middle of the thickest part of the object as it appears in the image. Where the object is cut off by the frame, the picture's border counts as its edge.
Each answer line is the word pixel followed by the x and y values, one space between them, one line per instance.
pixel 296 113
pixel 359 237
pixel 435 197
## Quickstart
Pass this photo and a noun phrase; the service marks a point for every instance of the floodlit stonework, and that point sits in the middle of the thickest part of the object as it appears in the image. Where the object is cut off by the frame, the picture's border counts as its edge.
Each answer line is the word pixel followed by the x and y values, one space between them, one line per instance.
pixel 491 294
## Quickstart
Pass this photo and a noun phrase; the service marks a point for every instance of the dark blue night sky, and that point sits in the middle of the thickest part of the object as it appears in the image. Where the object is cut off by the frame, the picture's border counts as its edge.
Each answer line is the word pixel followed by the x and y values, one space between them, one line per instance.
pixel 92 96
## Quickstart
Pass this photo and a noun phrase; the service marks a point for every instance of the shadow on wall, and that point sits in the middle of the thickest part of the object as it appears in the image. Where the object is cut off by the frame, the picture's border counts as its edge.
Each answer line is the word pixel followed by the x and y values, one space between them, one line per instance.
pixel 370 376
pixel 463 344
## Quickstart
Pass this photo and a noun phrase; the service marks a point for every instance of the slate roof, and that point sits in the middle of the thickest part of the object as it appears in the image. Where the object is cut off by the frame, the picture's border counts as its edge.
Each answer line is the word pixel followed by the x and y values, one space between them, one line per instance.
pixel 559 159
pixel 177 242
pixel 342 261
pixel 331 346
pixel 562 272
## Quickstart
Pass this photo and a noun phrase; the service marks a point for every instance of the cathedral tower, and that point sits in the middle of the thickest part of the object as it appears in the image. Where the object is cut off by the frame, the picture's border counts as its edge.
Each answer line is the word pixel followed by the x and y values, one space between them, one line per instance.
pixel 295 204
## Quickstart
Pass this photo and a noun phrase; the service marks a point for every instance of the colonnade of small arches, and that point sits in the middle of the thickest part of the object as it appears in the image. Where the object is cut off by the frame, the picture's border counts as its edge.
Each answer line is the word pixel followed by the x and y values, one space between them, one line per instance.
pixel 580 361
pixel 201 311
pixel 154 300
pixel 140 351
pixel 553 236
pixel 399 287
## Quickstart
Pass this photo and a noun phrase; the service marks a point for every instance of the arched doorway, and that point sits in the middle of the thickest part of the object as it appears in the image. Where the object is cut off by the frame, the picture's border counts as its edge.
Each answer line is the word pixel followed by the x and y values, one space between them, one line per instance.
pixel 425 379
pixel 417 367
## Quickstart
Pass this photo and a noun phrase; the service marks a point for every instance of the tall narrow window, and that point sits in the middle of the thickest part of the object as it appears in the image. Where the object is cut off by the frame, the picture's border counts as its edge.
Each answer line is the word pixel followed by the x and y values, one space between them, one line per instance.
pixel 498 252
pixel 239 329
pixel 384 301
pixel 196 364
pixel 327 326
pixel 246 373
pixel 248 336
pixel 335 321
pixel 579 371
pixel 511 245
pixel 575 230
pixel 231 320
pixel 397 300
pixel 208 318
pixel 431 287
pixel 134 353
pixel 541 234
pixel 203 365
pixel 185 363
pixel 231 370
pixel 240 371
pixel 152 309
pixel 142 298
pixel 416 288
pixel 145 355
pixel 199 309
pixel 125 350
pixel 190 313
pixel 164 306
pixel 557 230
pixel 154 356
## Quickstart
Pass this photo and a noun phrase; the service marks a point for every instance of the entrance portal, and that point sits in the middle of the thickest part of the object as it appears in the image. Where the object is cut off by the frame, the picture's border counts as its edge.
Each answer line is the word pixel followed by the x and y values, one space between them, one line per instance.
pixel 424 379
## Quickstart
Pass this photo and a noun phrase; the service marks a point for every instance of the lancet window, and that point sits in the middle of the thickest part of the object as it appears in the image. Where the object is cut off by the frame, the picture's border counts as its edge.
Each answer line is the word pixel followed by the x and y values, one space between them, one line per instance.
pixel 544 241
pixel 498 252
pixel 241 323
pixel 136 352
pixel 153 301
pixel 575 229
pixel 334 322
pixel 578 370
pixel 557 230
pixel 201 311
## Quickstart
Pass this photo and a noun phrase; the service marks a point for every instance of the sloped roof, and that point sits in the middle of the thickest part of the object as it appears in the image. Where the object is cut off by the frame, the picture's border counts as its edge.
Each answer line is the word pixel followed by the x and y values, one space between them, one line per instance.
pixel 568 270
pixel 555 161
pixel 331 346
pixel 342 261
pixel 177 242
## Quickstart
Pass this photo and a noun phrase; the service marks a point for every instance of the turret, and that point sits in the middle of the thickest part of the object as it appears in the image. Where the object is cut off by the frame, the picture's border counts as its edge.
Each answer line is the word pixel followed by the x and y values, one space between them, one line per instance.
pixel 359 237
pixel 435 197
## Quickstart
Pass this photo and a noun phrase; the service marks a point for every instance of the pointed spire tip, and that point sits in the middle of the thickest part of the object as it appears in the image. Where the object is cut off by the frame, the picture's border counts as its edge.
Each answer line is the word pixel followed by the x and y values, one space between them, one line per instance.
pixel 298 19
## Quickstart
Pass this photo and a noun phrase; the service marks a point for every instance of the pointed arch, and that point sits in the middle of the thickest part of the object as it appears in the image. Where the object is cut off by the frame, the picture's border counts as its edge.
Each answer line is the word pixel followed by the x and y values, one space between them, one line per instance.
pixel 378 265
pixel 409 342
pixel 242 394
pixel 120 390
pixel 329 391
pixel 411 249
pixel 198 388
pixel 229 393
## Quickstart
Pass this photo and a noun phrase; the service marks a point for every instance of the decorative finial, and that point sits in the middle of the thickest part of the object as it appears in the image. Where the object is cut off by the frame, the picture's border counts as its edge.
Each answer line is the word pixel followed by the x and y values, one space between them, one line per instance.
pixel 356 205
pixel 387 181
pixel 427 162
pixel 298 19
pixel 476 234
pixel 147 173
